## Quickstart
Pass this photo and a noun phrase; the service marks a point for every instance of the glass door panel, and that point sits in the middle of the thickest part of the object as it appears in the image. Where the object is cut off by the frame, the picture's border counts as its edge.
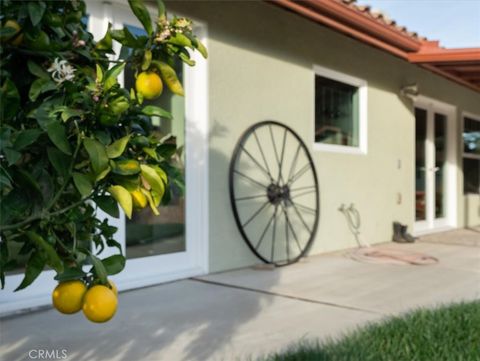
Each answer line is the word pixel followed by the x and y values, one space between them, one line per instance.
pixel 147 234
pixel 420 164
pixel 440 142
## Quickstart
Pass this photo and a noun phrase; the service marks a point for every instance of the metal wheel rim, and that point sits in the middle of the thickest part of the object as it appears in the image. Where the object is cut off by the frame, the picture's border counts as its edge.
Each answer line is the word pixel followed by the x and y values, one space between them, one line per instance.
pixel 233 173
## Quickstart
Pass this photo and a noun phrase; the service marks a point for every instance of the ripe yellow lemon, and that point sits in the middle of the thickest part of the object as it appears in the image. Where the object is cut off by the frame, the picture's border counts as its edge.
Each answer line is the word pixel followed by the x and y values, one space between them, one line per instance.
pixel 67 297
pixel 99 304
pixel 139 199
pixel 149 84
pixel 17 38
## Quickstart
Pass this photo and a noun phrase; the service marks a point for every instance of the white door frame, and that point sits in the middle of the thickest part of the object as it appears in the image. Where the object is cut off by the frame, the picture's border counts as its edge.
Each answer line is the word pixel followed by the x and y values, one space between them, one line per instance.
pixel 431 224
pixel 171 266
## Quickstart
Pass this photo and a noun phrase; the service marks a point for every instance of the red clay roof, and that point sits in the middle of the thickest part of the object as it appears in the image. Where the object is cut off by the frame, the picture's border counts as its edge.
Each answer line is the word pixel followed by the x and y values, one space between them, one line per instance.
pixel 376 29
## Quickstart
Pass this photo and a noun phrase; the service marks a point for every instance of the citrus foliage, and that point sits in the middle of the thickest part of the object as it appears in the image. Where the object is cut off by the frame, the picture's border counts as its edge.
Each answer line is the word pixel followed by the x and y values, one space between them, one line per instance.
pixel 73 139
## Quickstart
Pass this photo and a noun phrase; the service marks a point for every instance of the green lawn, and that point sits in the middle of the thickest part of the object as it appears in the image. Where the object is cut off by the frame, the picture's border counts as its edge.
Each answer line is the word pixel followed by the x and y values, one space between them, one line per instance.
pixel 449 333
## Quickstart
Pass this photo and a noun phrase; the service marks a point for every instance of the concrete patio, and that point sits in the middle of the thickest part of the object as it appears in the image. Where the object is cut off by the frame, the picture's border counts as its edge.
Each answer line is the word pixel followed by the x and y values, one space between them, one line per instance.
pixel 249 312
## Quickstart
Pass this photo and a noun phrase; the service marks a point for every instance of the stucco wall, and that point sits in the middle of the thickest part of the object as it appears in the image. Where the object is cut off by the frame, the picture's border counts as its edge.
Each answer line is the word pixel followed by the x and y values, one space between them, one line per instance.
pixel 260 67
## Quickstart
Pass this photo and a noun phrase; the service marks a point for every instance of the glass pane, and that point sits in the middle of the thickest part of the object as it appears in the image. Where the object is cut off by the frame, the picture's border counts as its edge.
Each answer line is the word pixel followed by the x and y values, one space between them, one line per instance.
pixel 440 122
pixel 147 234
pixel 420 170
pixel 471 136
pixel 471 175
pixel 336 113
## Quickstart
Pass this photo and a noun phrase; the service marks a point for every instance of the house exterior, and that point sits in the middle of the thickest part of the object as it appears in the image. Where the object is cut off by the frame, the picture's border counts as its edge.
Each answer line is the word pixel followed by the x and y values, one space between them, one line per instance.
pixel 404 145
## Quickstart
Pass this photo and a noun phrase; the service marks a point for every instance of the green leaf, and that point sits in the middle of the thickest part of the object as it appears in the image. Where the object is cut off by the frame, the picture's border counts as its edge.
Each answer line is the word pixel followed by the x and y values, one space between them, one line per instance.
pixel 36 9
pixel 147 59
pixel 105 43
pixel 9 100
pixel 26 138
pixel 12 155
pixel 117 148
pixel 99 72
pixel 151 152
pixel 59 160
pixel 56 133
pixel 108 205
pixel 114 264
pixel 97 154
pixel 202 49
pixel 37 70
pixel 40 86
pixel 125 167
pixel 161 9
pixel 111 75
pixel 153 178
pixel 83 184
pixel 169 76
pixel 70 113
pixel 180 39
pixel 53 260
pixel 142 14
pixel 186 58
pixel 103 174
pixel 35 266
pixel 153 110
pixel 70 274
pixel 123 197
pixel 100 270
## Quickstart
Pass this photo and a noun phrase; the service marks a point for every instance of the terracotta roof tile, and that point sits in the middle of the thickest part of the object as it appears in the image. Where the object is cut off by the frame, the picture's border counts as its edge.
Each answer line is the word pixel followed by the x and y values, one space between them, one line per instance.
pixel 380 17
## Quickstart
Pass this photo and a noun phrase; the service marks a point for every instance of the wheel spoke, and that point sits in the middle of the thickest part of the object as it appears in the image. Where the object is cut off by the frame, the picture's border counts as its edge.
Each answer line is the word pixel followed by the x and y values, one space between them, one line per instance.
pixel 264 232
pixel 250 197
pixel 303 188
pixel 261 151
pixel 291 228
pixel 263 186
pixel 287 243
pixel 280 175
pixel 303 193
pixel 305 208
pixel 258 164
pixel 301 172
pixel 301 218
pixel 274 233
pixel 294 162
pixel 275 151
pixel 256 213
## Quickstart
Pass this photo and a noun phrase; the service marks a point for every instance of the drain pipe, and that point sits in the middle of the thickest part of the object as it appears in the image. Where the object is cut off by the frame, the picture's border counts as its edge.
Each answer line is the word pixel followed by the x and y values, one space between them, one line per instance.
pixel 352 216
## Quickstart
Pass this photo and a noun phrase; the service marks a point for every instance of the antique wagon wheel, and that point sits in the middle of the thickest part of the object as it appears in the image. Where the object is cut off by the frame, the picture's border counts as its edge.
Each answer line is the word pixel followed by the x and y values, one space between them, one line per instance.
pixel 274 193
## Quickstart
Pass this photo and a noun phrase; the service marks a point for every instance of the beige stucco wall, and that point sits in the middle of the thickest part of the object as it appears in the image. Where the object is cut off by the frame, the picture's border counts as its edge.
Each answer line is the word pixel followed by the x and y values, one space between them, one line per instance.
pixel 260 67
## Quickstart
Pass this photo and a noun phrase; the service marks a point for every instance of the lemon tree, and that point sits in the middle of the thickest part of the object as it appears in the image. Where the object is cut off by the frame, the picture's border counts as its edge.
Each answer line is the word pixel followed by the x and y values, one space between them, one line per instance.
pixel 72 141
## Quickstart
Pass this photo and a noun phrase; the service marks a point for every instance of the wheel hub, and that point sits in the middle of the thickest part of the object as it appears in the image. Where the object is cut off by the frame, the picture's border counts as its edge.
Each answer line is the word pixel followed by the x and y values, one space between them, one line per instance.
pixel 277 193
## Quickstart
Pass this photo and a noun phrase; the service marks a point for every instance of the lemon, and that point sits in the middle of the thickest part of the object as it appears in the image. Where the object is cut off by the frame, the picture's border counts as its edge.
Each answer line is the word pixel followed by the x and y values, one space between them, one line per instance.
pixel 149 84
pixel 113 287
pixel 100 304
pixel 17 38
pixel 67 297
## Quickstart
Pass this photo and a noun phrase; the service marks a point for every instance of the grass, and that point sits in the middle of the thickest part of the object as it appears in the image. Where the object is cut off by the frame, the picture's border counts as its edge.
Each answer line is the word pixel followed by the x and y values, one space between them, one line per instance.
pixel 448 333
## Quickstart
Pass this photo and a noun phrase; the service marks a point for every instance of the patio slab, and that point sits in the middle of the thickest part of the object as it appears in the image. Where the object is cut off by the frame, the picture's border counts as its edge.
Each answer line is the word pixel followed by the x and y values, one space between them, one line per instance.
pixel 248 312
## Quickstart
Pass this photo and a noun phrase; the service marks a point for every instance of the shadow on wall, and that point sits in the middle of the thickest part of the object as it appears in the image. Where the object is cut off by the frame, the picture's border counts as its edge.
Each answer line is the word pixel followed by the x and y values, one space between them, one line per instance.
pixel 184 320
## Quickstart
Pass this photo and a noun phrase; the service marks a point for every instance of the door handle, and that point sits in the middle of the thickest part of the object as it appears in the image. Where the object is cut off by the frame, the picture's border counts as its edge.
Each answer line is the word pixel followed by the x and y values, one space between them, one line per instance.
pixel 435 169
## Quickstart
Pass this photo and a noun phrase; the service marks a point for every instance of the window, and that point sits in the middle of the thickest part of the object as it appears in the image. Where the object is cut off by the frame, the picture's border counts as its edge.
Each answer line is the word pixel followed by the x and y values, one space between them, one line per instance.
pixel 471 154
pixel 340 108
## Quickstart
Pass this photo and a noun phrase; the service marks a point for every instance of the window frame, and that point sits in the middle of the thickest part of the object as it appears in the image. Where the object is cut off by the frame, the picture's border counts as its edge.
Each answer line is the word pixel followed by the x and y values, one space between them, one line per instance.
pixel 362 86
pixel 467 155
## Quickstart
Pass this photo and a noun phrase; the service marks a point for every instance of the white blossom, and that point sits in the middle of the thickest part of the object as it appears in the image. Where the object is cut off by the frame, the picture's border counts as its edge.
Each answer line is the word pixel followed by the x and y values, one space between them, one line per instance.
pixel 61 70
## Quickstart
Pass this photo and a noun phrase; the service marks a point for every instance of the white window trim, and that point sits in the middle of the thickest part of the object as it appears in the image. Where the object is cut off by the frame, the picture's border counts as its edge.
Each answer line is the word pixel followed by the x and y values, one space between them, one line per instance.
pixel 476 118
pixel 467 155
pixel 362 86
